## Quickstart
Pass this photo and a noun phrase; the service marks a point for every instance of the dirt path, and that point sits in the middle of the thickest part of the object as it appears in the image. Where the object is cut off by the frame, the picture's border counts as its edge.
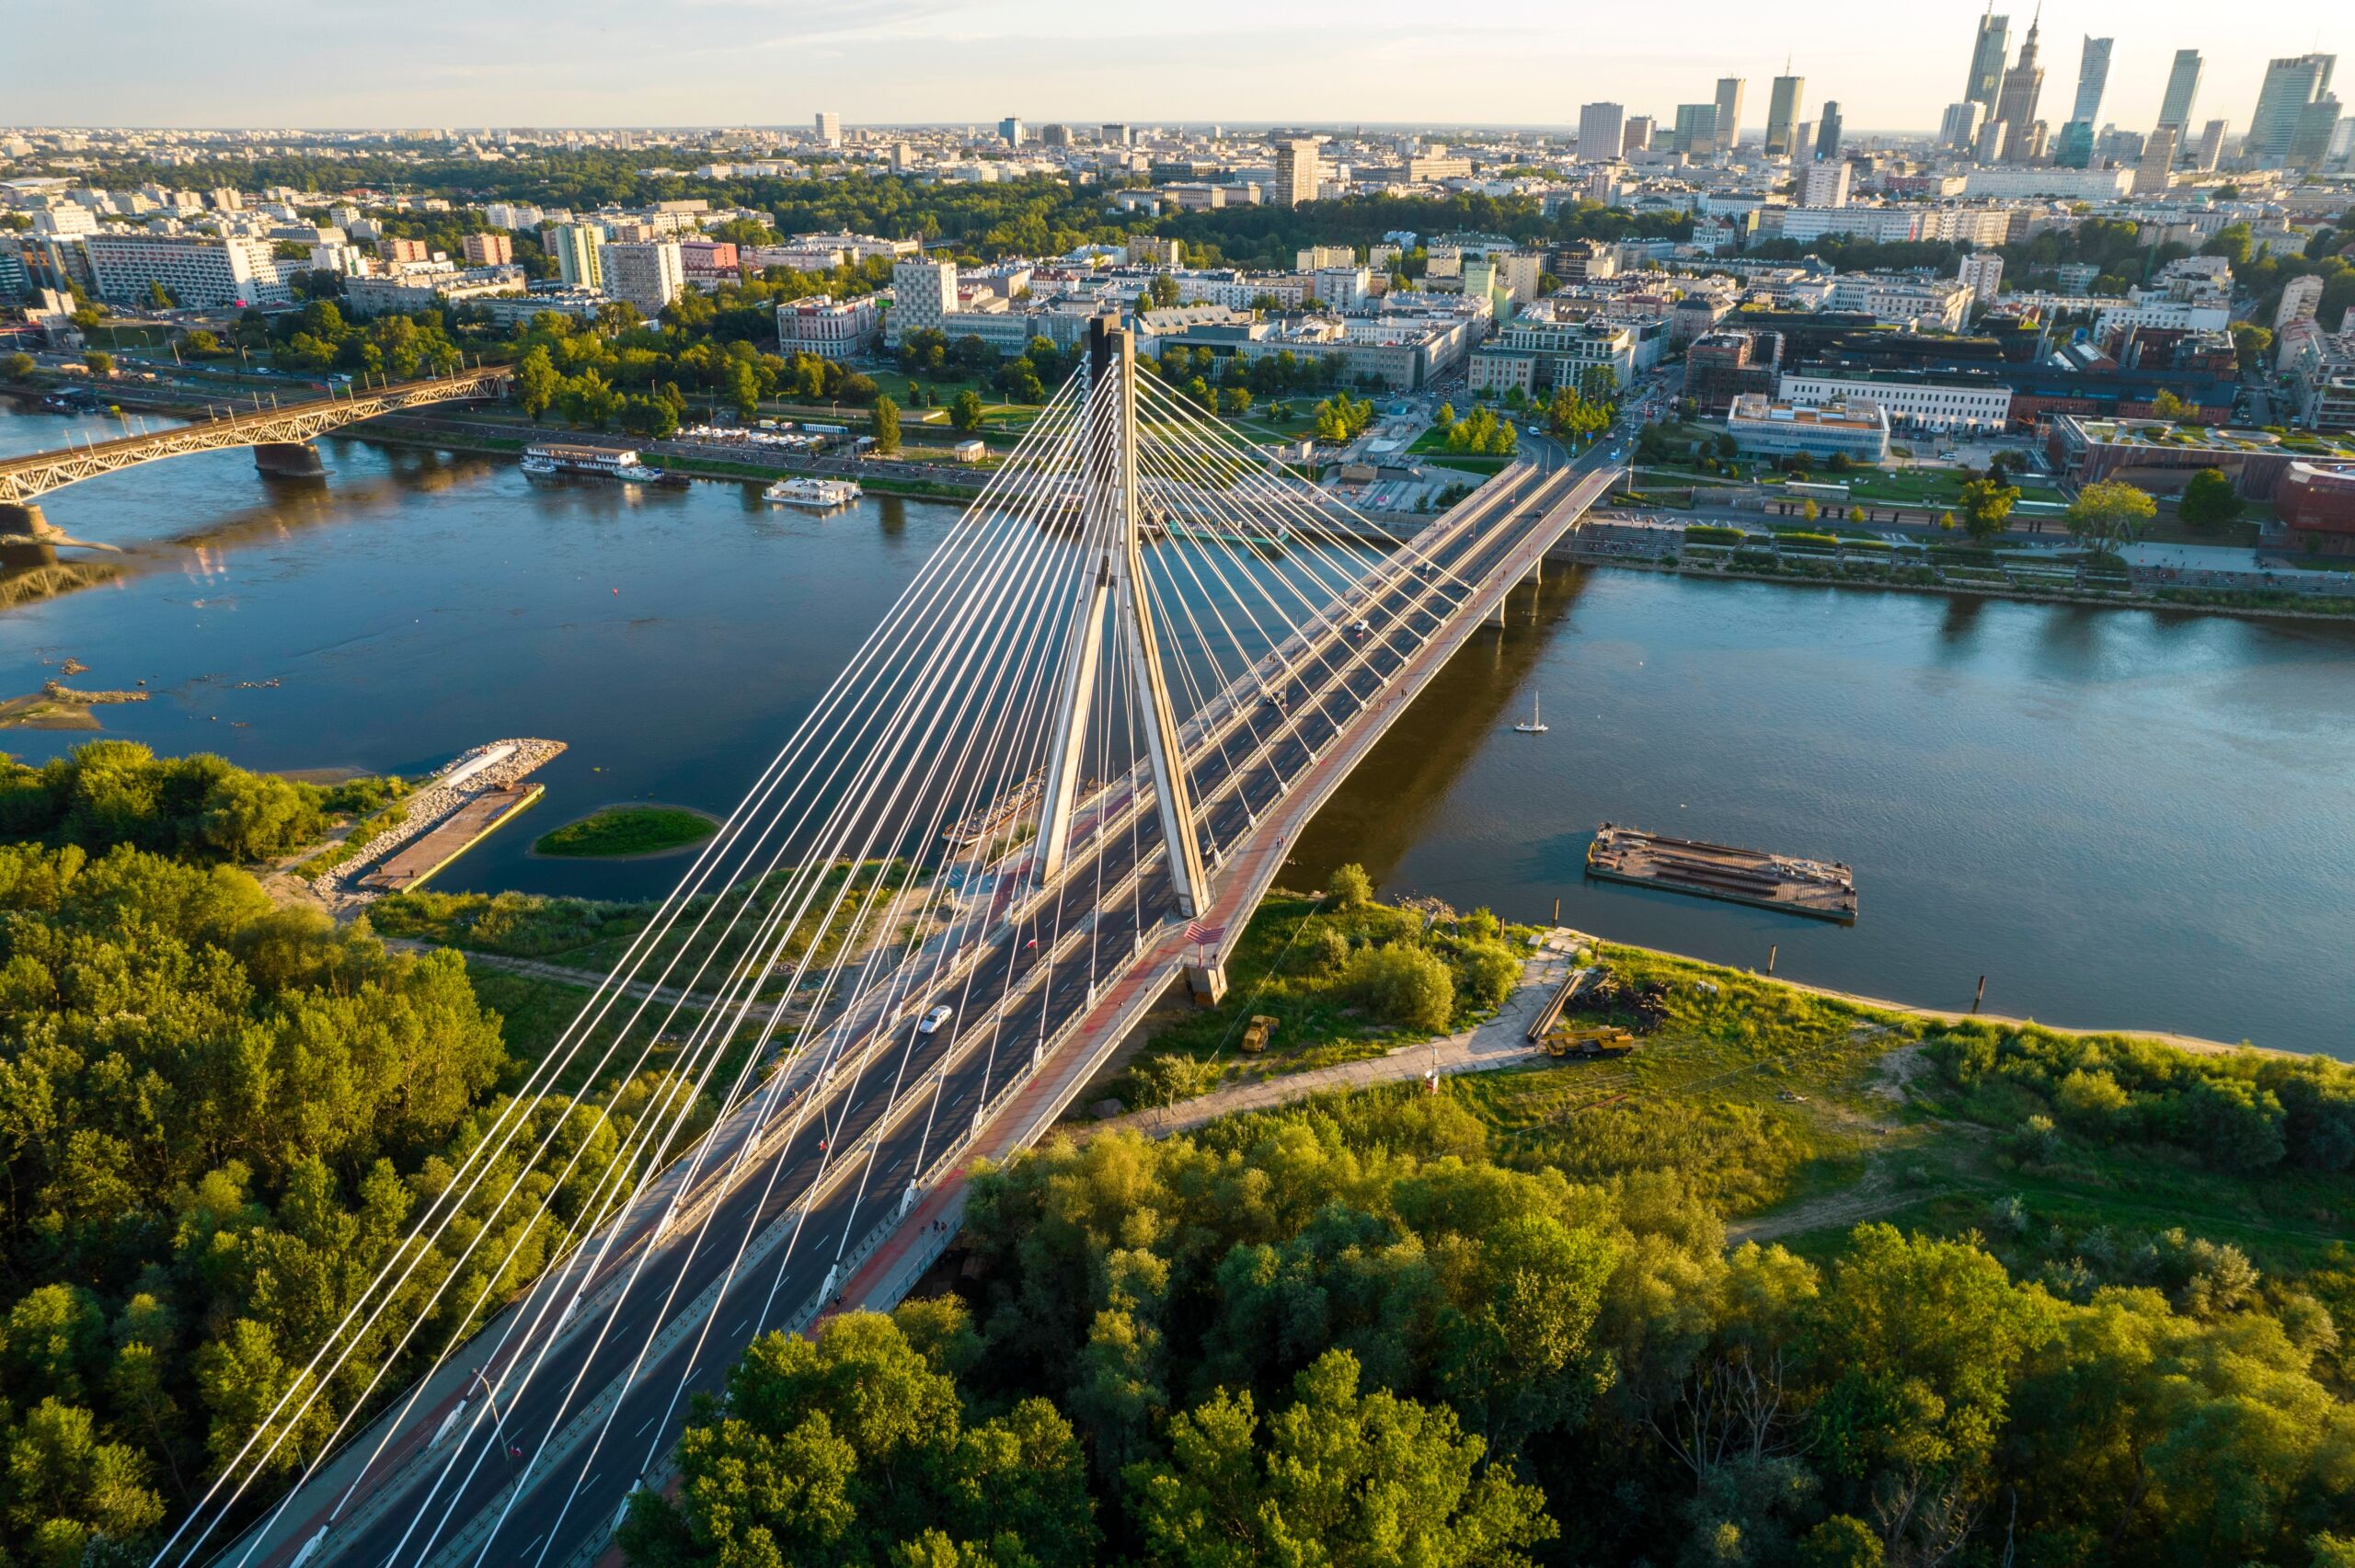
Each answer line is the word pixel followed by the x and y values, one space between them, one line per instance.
pixel 586 979
pixel 1501 1041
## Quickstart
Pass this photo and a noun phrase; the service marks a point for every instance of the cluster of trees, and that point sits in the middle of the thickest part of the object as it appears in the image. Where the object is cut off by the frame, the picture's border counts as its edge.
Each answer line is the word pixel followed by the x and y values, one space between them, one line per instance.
pixel 647 375
pixel 1341 417
pixel 2244 1112
pixel 1586 407
pixel 1481 431
pixel 2209 500
pixel 202 810
pixel 318 339
pixel 1346 1335
pixel 2111 512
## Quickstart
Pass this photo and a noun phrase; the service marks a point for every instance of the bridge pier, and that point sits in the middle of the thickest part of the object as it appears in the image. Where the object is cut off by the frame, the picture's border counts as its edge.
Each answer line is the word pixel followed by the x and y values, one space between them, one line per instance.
pixel 1206 983
pixel 290 460
pixel 22 519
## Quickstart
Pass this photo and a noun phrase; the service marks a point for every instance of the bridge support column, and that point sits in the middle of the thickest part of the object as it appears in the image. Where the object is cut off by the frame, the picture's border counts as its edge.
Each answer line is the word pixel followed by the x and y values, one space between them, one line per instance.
pixel 22 519
pixel 1206 983
pixel 290 460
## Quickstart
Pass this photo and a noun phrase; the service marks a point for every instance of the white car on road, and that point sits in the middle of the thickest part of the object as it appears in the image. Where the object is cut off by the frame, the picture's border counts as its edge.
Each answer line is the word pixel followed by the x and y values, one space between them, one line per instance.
pixel 931 1021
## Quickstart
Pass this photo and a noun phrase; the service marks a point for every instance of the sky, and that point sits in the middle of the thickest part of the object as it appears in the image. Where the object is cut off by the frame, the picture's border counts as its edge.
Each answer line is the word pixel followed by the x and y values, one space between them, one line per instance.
pixel 1892 65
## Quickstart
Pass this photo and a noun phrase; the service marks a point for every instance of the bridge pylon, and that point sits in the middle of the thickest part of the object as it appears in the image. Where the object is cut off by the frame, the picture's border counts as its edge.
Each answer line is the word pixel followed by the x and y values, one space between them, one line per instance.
pixel 1114 582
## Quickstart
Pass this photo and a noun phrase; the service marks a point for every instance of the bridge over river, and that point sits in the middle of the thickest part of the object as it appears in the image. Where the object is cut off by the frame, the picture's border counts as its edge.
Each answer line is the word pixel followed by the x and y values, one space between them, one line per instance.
pixel 280 435
pixel 1076 687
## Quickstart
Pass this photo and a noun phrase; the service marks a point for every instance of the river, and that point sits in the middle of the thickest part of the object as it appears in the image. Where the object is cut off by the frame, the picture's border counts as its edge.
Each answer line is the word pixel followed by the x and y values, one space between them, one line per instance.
pixel 2120 818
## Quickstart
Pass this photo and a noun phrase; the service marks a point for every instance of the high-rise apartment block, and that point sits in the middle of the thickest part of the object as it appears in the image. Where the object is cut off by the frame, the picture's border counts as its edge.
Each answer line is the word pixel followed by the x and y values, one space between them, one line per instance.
pixel 488 250
pixel 829 126
pixel 1982 272
pixel 1296 171
pixel 2153 173
pixel 649 274
pixel 1601 127
pixel 575 247
pixel 1637 137
pixel 1825 185
pixel 2301 298
pixel 923 296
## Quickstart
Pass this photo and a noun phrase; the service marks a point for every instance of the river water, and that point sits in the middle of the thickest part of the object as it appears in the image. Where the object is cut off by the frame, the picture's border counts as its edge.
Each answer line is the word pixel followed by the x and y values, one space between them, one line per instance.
pixel 2121 819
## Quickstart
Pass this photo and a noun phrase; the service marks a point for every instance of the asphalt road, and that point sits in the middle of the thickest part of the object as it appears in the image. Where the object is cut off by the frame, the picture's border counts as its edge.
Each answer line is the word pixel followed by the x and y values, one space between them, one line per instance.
pixel 545 1482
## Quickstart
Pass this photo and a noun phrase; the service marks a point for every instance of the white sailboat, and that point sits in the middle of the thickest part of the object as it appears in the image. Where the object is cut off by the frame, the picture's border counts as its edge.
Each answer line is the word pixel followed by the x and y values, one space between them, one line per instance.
pixel 1536 724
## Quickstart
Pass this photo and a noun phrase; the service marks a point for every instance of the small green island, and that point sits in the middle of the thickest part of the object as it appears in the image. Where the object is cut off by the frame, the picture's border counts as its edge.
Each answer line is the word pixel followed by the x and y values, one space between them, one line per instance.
pixel 618 831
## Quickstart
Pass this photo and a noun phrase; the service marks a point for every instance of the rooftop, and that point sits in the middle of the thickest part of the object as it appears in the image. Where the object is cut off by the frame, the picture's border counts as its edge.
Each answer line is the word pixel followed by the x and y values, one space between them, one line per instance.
pixel 2166 433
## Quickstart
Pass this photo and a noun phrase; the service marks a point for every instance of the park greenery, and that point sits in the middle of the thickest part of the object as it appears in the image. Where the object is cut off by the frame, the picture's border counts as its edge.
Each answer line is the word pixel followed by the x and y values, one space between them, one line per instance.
pixel 628 831
pixel 1479 433
pixel 200 809
pixel 2111 512
pixel 1389 1327
pixel 2209 501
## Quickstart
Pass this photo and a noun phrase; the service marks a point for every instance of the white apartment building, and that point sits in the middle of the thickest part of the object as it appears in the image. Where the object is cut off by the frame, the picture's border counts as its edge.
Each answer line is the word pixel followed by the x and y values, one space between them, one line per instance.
pixel 1982 272
pixel 1343 287
pixel 924 294
pixel 649 274
pixel 199 270
pixel 424 287
pixel 1825 185
pixel 1316 258
pixel 2070 185
pixel 832 329
pixel 1928 402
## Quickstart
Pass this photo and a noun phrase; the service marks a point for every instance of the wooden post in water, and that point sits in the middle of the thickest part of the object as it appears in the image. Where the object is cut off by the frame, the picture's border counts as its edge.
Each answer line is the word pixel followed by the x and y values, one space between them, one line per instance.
pixel 1771 948
pixel 1557 908
pixel 1982 996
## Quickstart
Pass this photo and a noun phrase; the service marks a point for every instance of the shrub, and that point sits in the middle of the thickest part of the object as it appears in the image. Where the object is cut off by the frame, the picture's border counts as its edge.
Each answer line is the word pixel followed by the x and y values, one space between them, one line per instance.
pixel 1402 984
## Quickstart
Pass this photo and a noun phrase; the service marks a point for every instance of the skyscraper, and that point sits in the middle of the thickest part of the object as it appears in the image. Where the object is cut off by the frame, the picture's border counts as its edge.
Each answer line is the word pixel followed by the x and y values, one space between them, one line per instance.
pixel 2291 85
pixel 2310 143
pixel 1638 136
pixel 2183 86
pixel 1729 113
pixel 1009 131
pixel 1827 134
pixel 829 128
pixel 1601 127
pixel 2152 174
pixel 1696 129
pixel 575 247
pixel 1783 115
pixel 1987 53
pixel 2210 151
pixel 2093 76
pixel 1960 128
pixel 2023 84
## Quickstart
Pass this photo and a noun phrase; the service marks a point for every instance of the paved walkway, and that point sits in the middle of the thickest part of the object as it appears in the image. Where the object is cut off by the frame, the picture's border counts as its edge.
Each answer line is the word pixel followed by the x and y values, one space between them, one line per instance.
pixel 1501 1041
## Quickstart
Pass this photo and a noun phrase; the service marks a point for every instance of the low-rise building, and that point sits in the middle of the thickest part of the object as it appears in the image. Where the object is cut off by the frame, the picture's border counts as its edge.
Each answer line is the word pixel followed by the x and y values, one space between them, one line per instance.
pixel 2316 505
pixel 829 328
pixel 2161 456
pixel 1932 403
pixel 1768 428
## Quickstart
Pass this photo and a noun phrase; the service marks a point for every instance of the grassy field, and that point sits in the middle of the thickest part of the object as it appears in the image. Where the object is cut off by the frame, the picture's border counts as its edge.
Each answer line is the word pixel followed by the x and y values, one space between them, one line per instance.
pixel 534 1014
pixel 1799 1116
pixel 628 831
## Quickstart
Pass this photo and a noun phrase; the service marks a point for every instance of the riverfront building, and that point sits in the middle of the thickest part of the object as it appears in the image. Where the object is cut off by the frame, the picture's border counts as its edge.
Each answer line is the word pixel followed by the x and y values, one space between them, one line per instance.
pixel 1781 429
pixel 832 329
pixel 199 271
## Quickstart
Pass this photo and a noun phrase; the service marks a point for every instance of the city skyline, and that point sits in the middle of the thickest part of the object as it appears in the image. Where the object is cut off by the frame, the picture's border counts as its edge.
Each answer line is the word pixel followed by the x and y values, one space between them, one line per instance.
pixel 764 63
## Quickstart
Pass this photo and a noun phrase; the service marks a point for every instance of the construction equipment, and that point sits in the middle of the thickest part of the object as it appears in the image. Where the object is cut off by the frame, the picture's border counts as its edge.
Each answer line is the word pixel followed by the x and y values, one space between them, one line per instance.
pixel 1254 1038
pixel 1604 1041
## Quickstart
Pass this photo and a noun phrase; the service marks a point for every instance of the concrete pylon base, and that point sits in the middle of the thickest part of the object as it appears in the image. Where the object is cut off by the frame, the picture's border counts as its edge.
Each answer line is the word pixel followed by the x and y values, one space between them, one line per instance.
pixel 290 460
pixel 1206 983
pixel 22 519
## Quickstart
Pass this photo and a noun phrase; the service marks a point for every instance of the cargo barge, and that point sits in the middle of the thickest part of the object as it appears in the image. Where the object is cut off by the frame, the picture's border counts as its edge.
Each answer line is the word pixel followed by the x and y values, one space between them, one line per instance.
pixel 1823 889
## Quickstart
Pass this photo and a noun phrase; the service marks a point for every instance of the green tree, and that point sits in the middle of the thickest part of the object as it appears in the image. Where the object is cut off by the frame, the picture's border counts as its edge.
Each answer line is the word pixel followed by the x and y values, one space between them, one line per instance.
pixel 2209 500
pixel 1986 504
pixel 537 381
pixel 1350 1479
pixel 1348 888
pixel 1161 290
pixel 2111 512
pixel 965 412
pixel 2252 343
pixel 99 361
pixel 17 367
pixel 159 297
pixel 883 422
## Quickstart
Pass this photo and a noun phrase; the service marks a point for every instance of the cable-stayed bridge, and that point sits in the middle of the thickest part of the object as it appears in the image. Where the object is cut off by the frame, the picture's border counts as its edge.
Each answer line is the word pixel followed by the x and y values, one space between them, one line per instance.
pixel 1056 779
